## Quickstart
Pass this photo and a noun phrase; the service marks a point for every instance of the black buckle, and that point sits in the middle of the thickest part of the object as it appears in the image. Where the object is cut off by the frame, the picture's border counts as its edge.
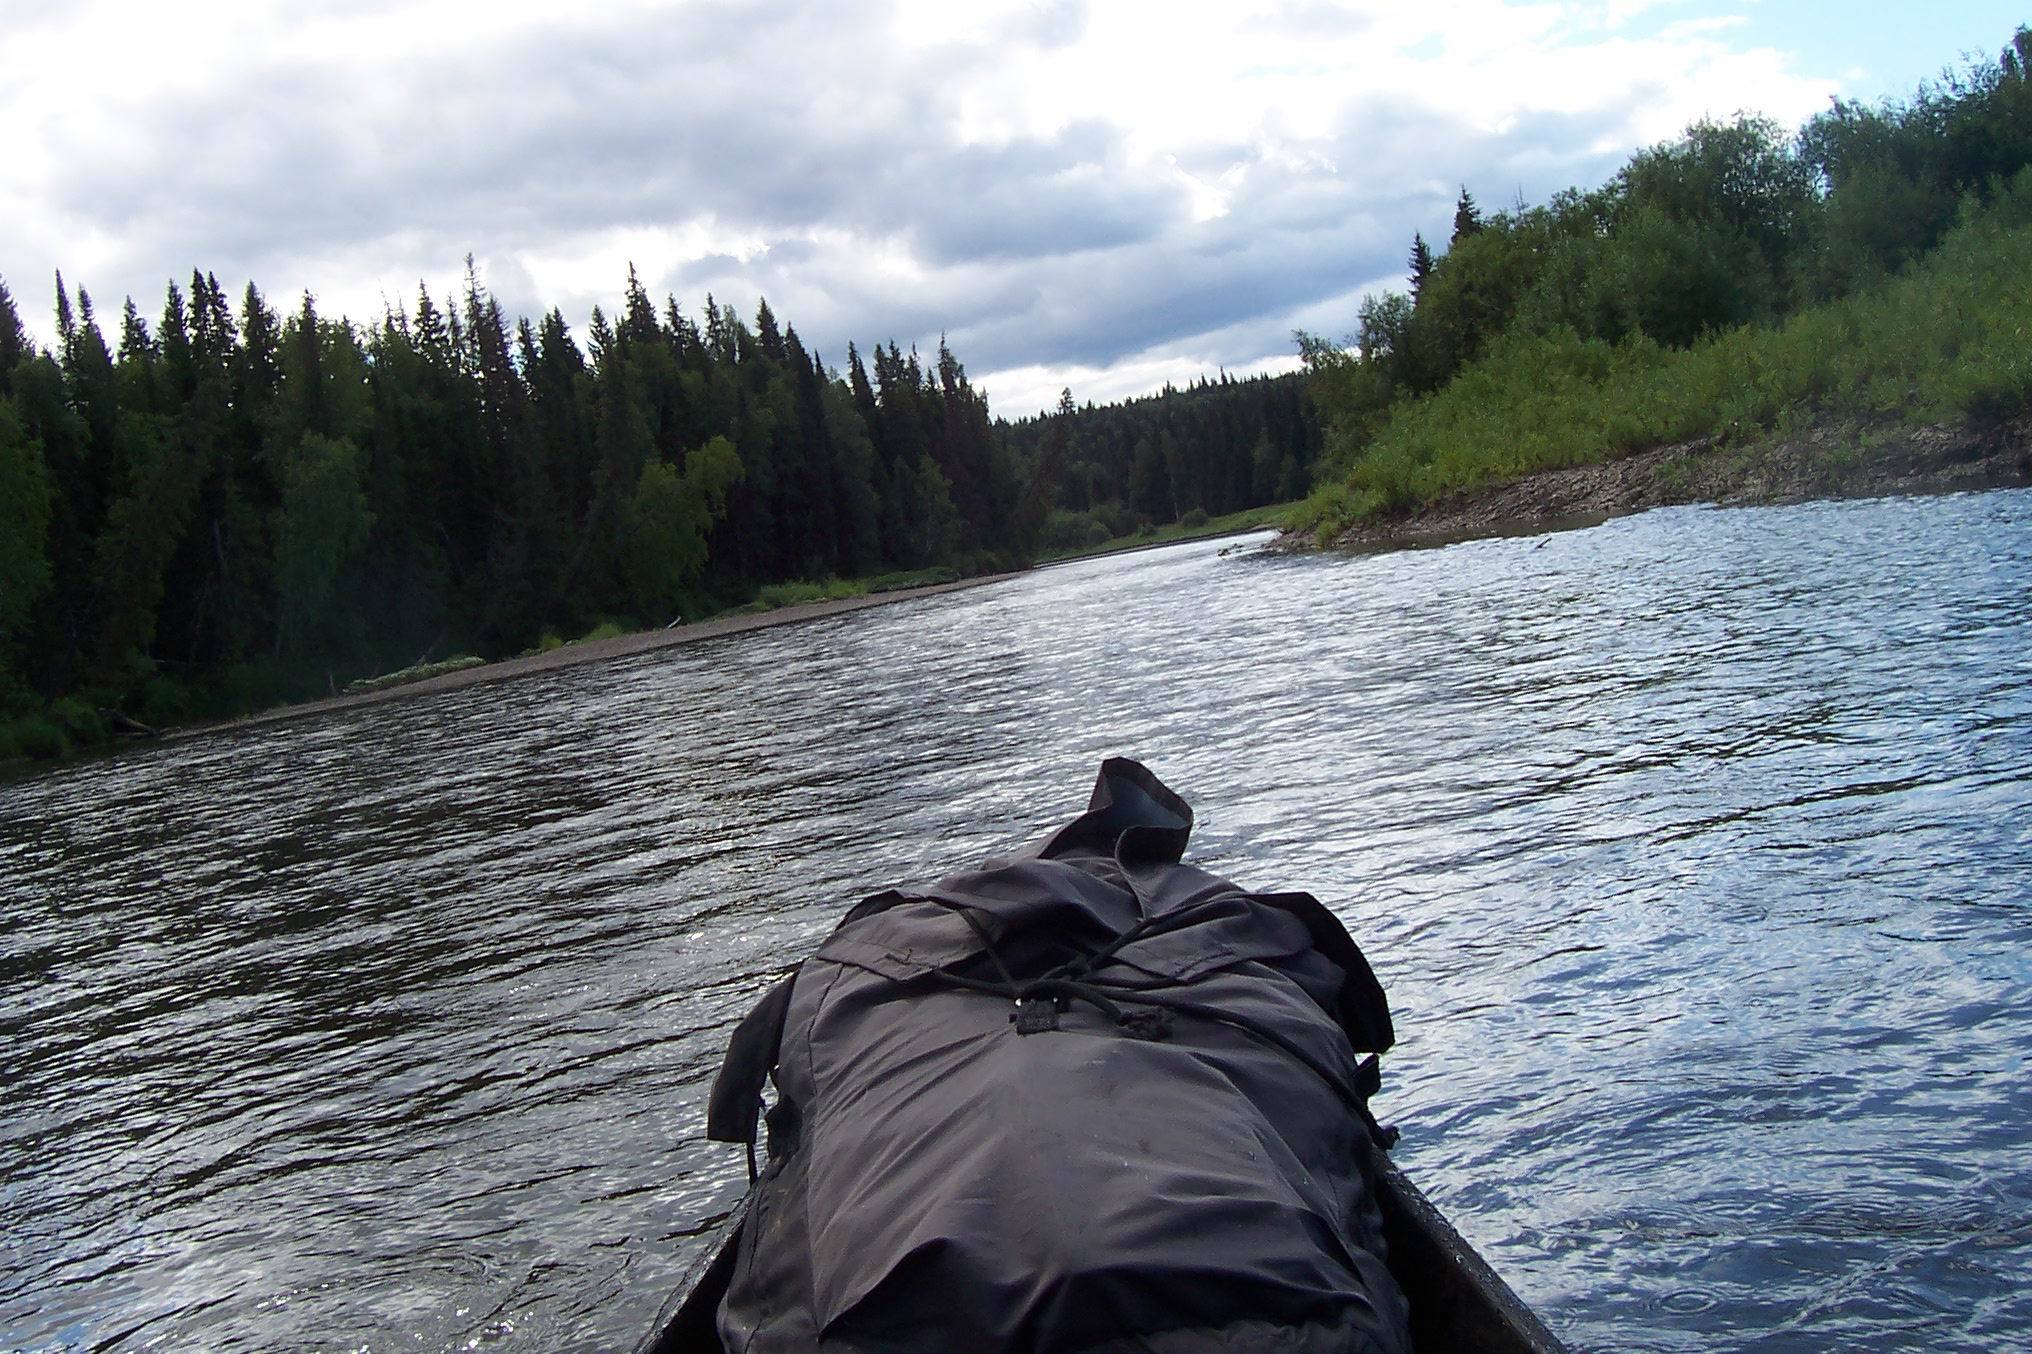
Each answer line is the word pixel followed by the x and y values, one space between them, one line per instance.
pixel 1035 1015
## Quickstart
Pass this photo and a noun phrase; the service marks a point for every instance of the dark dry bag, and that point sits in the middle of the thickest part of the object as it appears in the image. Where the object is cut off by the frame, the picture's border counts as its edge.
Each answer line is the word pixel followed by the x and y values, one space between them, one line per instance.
pixel 1086 1099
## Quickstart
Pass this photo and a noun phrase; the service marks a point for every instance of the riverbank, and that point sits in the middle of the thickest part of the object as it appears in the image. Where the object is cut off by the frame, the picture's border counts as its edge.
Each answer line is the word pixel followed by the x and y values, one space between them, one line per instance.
pixel 591 651
pixel 731 623
pixel 1848 459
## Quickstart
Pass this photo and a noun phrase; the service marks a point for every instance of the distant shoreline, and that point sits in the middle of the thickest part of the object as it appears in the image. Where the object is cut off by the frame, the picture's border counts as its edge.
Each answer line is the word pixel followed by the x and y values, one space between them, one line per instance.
pixel 648 641
pixel 1834 460
pixel 587 651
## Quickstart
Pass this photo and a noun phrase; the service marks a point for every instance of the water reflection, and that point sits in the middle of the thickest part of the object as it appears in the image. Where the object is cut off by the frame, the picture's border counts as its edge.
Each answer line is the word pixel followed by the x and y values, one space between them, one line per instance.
pixel 1691 848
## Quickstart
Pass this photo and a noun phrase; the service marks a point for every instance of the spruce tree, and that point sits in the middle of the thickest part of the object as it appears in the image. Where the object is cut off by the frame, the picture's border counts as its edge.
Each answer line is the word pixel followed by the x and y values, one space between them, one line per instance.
pixel 638 315
pixel 1421 264
pixel 25 512
pixel 1467 218
pixel 767 334
pixel 14 345
pixel 173 340
pixel 66 324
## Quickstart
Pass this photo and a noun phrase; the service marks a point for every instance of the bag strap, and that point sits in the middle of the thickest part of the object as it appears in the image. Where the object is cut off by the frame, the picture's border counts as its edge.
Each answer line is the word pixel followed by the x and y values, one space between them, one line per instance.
pixel 735 1106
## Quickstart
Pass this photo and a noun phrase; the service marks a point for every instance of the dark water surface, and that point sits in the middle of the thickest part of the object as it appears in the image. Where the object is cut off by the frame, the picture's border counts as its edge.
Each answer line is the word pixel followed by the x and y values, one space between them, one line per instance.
pixel 1695 851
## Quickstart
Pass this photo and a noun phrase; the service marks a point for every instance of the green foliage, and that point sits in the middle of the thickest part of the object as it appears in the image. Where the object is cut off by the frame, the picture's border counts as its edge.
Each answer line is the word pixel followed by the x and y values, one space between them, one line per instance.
pixel 166 702
pixel 937 533
pixel 900 580
pixel 1740 180
pixel 321 530
pixel 610 627
pixel 137 545
pixel 25 503
pixel 1672 279
pixel 668 521
pixel 1066 532
pixel 1947 340
pixel 666 537
pixel 1895 175
pixel 33 736
pixel 266 506
pixel 81 721
pixel 1469 299
pixel 799 592
pixel 1664 306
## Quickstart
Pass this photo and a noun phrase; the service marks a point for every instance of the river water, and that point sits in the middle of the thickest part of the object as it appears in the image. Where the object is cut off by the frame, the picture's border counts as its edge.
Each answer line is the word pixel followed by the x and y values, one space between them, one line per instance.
pixel 1694 850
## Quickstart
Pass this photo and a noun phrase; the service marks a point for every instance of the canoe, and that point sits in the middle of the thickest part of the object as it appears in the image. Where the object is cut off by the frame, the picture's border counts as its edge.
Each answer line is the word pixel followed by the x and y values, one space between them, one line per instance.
pixel 1458 1304
pixel 1152 987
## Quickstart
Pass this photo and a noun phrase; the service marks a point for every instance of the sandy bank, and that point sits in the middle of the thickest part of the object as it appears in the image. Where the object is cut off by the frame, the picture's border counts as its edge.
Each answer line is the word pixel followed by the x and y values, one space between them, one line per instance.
pixel 1845 460
pixel 594 651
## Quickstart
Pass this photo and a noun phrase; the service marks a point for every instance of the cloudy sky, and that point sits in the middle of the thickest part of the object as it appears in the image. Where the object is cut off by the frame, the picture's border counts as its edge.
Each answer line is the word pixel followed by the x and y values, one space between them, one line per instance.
pixel 1105 195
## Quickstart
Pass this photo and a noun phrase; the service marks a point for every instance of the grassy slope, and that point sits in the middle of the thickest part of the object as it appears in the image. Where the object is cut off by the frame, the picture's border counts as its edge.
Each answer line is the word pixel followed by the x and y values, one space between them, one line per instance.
pixel 1949 339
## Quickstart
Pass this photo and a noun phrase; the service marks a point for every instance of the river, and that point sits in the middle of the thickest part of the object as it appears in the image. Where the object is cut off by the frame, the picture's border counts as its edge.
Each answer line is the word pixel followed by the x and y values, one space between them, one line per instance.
pixel 1694 851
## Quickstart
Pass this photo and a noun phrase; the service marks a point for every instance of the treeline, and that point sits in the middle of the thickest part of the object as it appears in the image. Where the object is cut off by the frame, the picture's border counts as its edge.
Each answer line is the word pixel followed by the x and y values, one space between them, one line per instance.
pixel 1212 448
pixel 230 504
pixel 1735 225
pixel 227 508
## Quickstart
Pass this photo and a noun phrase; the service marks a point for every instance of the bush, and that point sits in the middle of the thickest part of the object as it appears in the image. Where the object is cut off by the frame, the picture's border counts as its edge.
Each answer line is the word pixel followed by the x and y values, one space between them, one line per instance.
pixel 608 628
pixel 32 736
pixel 1065 531
pixel 166 701
pixel 1194 517
pixel 82 721
pixel 1120 520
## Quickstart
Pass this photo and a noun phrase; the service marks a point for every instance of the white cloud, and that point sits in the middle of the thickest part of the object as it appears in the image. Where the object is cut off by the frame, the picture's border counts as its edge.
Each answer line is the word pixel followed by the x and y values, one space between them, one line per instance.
pixel 1098 195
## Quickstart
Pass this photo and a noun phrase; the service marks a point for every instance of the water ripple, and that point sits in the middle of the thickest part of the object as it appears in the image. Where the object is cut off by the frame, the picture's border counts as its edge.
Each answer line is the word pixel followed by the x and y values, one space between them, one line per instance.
pixel 1693 850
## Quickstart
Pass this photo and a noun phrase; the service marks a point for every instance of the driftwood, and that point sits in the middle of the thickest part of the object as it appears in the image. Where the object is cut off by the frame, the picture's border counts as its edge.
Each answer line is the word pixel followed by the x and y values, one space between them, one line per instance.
pixel 128 727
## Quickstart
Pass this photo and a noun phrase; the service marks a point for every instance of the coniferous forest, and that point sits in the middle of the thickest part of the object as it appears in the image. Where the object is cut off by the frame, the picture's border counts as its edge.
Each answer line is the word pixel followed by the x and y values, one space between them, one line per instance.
pixel 225 507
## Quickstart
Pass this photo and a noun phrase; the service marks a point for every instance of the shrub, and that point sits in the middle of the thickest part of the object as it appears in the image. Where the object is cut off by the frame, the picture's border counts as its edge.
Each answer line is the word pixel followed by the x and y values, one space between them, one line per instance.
pixel 32 736
pixel 81 720
pixel 166 701
pixel 1065 531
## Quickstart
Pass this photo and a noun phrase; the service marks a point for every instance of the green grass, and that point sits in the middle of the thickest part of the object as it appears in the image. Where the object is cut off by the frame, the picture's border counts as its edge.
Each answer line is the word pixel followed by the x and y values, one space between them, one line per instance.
pixel 912 578
pixel 801 591
pixel 1949 339
pixel 607 629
